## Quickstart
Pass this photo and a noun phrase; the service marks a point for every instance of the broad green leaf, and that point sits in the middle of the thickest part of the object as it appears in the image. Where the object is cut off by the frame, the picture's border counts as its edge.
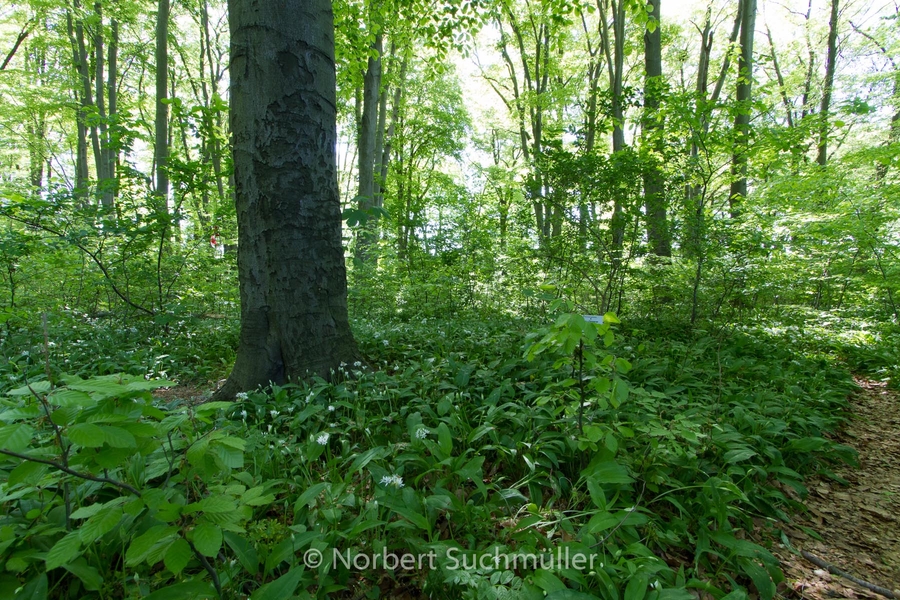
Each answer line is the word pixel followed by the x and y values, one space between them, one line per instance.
pixel 64 550
pixel 67 397
pixel 188 590
pixel 36 387
pixel 807 444
pixel 27 472
pixel 211 407
pixel 88 511
pixel 207 539
pixel 309 495
pixel 178 555
pixel 211 504
pixel 607 471
pixel 117 437
pixel 142 545
pixel 100 524
pixel 36 589
pixel 153 384
pixel 471 469
pixel 636 588
pixel 761 579
pixel 735 456
pixel 89 576
pixel 246 553
pixel 547 581
pixel 568 594
pixel 281 588
pixel 86 434
pixel 445 439
pixel 15 438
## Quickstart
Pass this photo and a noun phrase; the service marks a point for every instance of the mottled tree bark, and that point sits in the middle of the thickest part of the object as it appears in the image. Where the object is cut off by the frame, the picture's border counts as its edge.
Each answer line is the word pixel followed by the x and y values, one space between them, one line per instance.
pixel 290 260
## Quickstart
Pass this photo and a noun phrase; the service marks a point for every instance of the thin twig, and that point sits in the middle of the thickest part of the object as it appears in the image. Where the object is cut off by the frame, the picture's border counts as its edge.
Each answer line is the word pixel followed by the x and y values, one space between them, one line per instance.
pixel 841 573
pixel 65 469
pixel 209 568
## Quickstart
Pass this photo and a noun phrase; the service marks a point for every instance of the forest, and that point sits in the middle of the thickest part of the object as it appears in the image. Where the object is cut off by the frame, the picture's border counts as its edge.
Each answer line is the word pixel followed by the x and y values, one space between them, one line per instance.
pixel 466 299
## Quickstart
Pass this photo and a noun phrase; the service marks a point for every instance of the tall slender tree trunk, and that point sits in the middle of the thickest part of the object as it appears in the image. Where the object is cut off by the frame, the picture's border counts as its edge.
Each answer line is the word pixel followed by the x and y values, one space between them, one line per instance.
pixel 367 143
pixel 290 259
pixel 161 151
pixel 83 95
pixel 652 129
pixel 614 48
pixel 743 99
pixel 830 64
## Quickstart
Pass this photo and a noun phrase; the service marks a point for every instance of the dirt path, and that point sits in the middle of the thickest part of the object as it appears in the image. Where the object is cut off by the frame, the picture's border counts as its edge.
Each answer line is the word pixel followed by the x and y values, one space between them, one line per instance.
pixel 859 524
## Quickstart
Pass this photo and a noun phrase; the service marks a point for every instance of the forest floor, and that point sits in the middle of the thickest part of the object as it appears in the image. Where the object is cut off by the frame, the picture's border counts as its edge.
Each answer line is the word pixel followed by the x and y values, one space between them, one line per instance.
pixel 859 524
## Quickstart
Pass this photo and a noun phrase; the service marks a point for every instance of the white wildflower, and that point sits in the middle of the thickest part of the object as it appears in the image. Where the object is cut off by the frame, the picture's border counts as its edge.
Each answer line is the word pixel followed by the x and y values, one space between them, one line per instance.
pixel 385 342
pixel 242 396
pixel 357 364
pixel 243 414
pixel 322 439
pixel 394 480
pixel 421 433
pixel 331 408
pixel 274 413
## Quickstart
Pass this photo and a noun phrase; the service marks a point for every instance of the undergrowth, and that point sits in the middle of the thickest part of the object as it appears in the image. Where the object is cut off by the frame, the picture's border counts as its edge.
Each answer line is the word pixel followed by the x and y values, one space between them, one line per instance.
pixel 668 457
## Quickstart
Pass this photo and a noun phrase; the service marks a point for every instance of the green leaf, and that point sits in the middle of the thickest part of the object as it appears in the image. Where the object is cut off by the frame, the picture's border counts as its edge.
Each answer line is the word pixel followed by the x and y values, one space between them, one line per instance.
pixel 735 456
pixel 27 471
pixel 281 588
pixel 207 539
pixel 607 471
pixel 211 504
pixel 86 434
pixel 760 577
pixel 88 511
pixel 547 581
pixel 245 553
pixel 88 575
pixel 636 588
pixel 99 525
pixel 807 444
pixel 309 495
pixel 445 439
pixel 64 550
pixel 177 556
pixel 142 385
pixel 36 589
pixel 142 545
pixel 117 437
pixel 36 387
pixel 189 590
pixel 568 594
pixel 471 469
pixel 15 438
pixel 66 398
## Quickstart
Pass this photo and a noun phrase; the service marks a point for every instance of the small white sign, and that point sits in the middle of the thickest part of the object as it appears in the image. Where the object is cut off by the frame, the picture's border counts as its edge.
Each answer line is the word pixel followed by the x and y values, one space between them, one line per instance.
pixel 598 319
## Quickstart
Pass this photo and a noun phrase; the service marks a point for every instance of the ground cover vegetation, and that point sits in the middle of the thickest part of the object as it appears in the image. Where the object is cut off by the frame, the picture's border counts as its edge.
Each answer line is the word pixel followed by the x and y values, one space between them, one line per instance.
pixel 720 184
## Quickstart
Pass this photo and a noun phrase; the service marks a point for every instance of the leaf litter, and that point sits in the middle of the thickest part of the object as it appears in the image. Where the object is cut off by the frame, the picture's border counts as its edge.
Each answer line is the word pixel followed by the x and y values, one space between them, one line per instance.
pixel 858 523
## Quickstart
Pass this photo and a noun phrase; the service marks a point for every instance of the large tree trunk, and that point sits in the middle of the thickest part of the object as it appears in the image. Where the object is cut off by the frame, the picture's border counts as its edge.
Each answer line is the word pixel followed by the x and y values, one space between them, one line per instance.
pixel 290 260
pixel 652 128
pixel 830 62
pixel 743 99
